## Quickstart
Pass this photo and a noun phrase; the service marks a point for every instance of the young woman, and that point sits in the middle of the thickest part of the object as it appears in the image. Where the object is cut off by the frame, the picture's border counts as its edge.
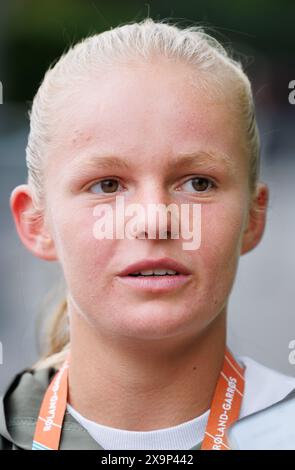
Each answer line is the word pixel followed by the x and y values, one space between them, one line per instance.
pixel 153 114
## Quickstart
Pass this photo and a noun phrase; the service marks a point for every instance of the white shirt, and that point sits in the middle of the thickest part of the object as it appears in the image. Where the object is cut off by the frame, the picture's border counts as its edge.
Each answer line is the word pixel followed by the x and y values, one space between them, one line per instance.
pixel 263 387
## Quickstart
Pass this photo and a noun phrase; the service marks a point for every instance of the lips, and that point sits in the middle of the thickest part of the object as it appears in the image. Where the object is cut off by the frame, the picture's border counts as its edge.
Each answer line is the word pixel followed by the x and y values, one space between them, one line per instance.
pixel 152 264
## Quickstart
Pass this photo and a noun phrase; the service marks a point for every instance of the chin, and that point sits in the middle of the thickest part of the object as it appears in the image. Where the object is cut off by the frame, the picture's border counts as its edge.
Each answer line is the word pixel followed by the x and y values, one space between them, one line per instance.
pixel 153 321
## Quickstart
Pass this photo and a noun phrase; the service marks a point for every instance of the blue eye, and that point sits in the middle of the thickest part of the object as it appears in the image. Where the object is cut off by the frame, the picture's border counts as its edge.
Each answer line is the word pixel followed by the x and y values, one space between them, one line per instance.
pixel 200 184
pixel 108 186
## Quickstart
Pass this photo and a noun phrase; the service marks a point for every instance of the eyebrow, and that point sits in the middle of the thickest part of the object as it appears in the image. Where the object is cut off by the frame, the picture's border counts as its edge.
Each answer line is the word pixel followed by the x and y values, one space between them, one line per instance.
pixel 102 161
pixel 182 160
pixel 202 157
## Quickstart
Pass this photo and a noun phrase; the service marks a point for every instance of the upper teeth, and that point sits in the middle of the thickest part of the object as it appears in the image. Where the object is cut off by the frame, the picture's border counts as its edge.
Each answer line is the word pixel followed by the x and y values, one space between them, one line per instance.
pixel 156 272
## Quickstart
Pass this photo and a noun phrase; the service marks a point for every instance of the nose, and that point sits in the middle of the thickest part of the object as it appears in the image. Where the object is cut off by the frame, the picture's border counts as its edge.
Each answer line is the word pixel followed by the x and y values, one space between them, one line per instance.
pixel 157 216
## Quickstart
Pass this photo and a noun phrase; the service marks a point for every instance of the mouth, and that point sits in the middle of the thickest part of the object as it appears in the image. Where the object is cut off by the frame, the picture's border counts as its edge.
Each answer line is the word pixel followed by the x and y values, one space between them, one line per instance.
pixel 162 275
pixel 156 272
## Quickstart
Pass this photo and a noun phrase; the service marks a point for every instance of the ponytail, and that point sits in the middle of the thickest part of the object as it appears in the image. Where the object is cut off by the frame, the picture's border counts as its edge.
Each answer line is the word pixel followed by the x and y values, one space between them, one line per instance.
pixel 58 340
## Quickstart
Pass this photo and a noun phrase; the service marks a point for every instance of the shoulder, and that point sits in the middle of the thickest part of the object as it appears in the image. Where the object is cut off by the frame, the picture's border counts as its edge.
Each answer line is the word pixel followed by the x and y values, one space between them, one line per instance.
pixel 19 406
pixel 264 386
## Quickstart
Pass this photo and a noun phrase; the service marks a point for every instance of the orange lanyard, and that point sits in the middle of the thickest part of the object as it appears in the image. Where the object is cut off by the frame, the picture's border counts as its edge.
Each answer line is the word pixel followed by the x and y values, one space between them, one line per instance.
pixel 226 404
pixel 225 407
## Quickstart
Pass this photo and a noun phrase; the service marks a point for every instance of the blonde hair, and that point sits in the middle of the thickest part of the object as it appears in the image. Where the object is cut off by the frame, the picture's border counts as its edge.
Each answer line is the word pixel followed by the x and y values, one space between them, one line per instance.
pixel 142 40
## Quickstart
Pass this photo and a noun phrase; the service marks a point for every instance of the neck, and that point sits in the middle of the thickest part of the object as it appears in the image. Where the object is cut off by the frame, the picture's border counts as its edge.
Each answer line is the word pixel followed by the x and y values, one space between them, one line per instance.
pixel 142 386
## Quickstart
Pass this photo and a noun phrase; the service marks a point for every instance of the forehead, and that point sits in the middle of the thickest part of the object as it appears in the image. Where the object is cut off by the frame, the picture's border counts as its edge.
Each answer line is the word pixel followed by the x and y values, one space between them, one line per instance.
pixel 148 111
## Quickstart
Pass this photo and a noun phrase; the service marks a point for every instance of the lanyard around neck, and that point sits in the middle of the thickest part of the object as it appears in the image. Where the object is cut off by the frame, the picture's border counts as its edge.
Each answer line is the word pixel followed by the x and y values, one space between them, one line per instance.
pixel 225 407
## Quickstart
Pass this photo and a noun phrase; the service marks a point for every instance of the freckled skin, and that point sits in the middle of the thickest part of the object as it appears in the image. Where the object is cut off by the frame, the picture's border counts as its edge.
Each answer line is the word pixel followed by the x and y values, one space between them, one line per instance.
pixel 147 114
pixel 80 139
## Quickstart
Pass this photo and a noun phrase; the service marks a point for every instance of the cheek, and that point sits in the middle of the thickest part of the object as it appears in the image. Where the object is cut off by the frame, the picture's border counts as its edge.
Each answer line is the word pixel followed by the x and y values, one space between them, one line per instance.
pixel 83 257
pixel 221 234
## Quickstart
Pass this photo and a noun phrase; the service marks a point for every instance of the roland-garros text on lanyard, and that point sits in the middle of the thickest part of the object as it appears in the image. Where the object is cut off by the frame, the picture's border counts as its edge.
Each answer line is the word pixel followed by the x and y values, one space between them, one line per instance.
pixel 225 407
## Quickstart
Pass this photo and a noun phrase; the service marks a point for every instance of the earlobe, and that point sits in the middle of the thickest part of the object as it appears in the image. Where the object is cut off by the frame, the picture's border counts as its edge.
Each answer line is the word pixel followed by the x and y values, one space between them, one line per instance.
pixel 30 224
pixel 256 219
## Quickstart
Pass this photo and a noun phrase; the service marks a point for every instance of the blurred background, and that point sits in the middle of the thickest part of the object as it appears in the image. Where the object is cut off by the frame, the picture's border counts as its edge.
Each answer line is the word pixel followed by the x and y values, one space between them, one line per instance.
pixel 32 35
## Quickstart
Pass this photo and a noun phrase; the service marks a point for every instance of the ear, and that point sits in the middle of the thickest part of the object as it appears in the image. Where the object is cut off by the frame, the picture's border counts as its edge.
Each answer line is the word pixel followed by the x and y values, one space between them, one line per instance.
pixel 256 219
pixel 30 224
